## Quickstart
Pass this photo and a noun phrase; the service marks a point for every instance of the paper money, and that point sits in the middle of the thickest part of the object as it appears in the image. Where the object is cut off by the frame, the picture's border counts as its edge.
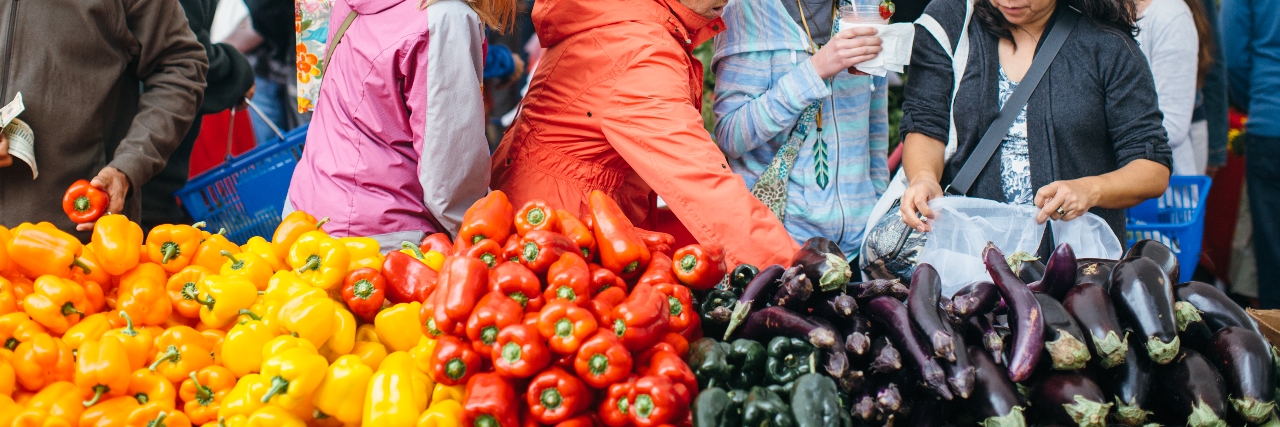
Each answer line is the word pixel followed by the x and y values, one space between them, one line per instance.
pixel 22 143
pixel 12 110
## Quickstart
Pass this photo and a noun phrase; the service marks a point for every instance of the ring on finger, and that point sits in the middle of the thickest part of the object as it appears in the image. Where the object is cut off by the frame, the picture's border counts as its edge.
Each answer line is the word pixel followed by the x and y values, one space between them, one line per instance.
pixel 1061 212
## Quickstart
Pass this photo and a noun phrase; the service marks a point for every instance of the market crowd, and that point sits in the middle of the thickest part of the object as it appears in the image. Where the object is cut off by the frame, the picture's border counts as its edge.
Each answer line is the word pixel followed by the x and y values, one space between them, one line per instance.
pixel 398 145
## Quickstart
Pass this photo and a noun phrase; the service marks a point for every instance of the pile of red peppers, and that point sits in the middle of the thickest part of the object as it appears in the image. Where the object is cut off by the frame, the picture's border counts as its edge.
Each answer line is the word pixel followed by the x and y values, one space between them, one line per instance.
pixel 583 321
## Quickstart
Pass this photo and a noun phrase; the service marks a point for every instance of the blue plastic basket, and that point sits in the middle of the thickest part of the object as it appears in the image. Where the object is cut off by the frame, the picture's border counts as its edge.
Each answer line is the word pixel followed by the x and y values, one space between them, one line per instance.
pixel 246 194
pixel 1175 219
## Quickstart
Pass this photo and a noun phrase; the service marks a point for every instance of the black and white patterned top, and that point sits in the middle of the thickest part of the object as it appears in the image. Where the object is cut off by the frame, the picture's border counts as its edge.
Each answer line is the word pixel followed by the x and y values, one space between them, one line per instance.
pixel 1015 161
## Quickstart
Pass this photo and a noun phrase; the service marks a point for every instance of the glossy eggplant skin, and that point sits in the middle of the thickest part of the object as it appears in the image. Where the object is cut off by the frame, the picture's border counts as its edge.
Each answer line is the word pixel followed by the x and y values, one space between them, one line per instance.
pixel 857 336
pixel 1129 382
pixel 960 372
pixel 1051 396
pixel 1093 310
pixel 1156 252
pixel 994 395
pixel 838 307
pixel 1191 381
pixel 885 358
pixel 981 330
pixel 1059 273
pixel 1143 296
pixel 795 290
pixel 756 296
pixel 1215 308
pixel 1024 316
pixel 892 319
pixel 976 299
pixel 1094 270
pixel 1245 361
pixel 823 262
pixel 922 305
pixel 771 322
pixel 835 362
pixel 1031 271
pixel 1063 339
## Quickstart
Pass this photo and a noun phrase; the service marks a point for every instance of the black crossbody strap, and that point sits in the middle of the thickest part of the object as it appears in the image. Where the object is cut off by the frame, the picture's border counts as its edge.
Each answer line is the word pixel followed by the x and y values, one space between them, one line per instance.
pixel 990 141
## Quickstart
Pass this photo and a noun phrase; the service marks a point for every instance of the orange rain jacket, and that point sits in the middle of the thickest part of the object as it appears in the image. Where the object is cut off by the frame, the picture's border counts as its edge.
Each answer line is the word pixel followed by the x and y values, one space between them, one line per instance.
pixel 614 106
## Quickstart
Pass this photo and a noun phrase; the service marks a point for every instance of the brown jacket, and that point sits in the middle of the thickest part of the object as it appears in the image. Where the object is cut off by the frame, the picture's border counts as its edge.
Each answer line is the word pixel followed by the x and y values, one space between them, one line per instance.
pixel 81 66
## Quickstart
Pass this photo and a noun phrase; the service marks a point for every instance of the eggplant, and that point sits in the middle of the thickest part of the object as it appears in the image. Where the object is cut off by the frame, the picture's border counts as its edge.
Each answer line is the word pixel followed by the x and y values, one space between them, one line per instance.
pixel 838 307
pixel 976 299
pixel 1024 315
pixel 922 305
pixel 1244 359
pixel 984 332
pixel 1130 384
pixel 864 406
pixel 1063 339
pixel 771 322
pixel 834 359
pixel 878 287
pixel 1094 270
pixel 886 357
pixel 1068 398
pixel 1059 274
pixel 888 398
pixel 928 412
pixel 892 318
pixel 823 262
pixel 852 381
pixel 759 291
pixel 995 399
pixel 1158 253
pixel 858 340
pixel 1214 307
pixel 1194 394
pixel 1027 266
pixel 960 372
pixel 1091 306
pixel 1143 297
pixel 795 290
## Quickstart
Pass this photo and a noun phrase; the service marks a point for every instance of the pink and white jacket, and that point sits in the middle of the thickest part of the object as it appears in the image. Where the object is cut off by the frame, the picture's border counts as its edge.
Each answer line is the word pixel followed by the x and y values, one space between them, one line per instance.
pixel 396 146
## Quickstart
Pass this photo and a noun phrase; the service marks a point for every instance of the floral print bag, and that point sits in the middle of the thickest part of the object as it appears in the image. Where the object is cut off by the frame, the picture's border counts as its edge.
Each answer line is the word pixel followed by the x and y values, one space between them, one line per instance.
pixel 311 26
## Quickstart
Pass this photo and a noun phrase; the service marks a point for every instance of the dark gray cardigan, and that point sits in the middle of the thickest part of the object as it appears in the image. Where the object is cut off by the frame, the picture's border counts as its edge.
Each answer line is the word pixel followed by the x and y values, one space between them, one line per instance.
pixel 1094 112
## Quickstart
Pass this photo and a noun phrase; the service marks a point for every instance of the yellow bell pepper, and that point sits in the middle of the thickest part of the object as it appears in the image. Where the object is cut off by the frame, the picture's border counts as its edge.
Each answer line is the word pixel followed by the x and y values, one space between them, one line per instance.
pixel 57 404
pixel 8 299
pixel 343 338
pixel 247 265
pixel 422 355
pixel 319 259
pixel 173 246
pixel 246 341
pixel 446 413
pixel 370 350
pixel 222 298
pixel 364 252
pixel 270 416
pixel 244 398
pixel 57 303
pixel 42 249
pixel 90 329
pixel 6 262
pixel 390 398
pixel 284 343
pixel 137 342
pixel 433 259
pixel 293 226
pixel 336 397
pixel 310 315
pixel 395 326
pixel 236 421
pixel 294 374
pixel 8 410
pixel 183 289
pixel 210 253
pixel 214 338
pixel 8 379
pixel 260 247
pixel 95 273
pixel 456 393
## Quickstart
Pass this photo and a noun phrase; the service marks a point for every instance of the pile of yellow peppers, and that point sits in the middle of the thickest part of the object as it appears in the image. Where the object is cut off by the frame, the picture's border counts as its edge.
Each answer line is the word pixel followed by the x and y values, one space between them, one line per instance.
pixel 183 328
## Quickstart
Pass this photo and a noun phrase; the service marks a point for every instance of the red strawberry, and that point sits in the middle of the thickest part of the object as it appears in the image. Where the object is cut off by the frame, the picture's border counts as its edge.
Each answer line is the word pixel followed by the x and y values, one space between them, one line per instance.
pixel 887 8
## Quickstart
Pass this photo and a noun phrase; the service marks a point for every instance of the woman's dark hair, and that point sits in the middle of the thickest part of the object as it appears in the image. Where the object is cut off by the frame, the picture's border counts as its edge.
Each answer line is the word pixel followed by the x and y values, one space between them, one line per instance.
pixel 1204 29
pixel 1120 15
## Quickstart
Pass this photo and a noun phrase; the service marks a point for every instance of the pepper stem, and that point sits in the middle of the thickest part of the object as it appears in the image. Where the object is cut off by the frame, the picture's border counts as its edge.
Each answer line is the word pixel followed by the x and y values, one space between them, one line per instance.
pixel 278 385
pixel 676 307
pixel 68 308
pixel 170 355
pixel 536 216
pixel 252 315
pixel 520 297
pixel 530 251
pixel 222 231
pixel 566 292
pixel 170 250
pixel 142 398
pixel 98 390
pixel 204 394
pixel 564 328
pixel 128 325
pixel 10 343
pixel 489 259
pixel 208 301
pixel 688 263
pixel 159 421
pixel 77 262
pixel 236 264
pixel 551 399
pixel 455 369
pixel 511 352
pixel 189 291
pixel 631 268
pixel 643 406
pixel 417 252
pixel 598 364
pixel 489 334
pixel 486 420
pixel 619 328
pixel 82 204
pixel 362 289
pixel 199 225
pixel 313 263
pixel 322 222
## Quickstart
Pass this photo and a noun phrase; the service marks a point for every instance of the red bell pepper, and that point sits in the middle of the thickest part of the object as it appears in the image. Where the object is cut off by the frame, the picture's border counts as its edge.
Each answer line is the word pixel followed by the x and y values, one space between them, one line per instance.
pixel 438 242
pixel 490 402
pixel 84 203
pixel 462 281
pixel 585 420
pixel 494 312
pixel 427 318
pixel 621 249
pixel 539 249
pixel 569 279
pixel 679 304
pixel 671 365
pixel 602 305
pixel 488 251
pixel 602 278
pixel 578 232
pixel 602 360
pixel 642 319
pixel 408 279
pixel 518 282
pixel 511 250
pixel 489 218
pixel 671 342
pixel 536 215
pixel 364 290
pixel 656 241
pixel 556 395
pixel 659 271
pixel 453 362
pixel 616 404
pixel 519 352
pixel 700 267
pixel 565 326
pixel 654 402
pixel 564 361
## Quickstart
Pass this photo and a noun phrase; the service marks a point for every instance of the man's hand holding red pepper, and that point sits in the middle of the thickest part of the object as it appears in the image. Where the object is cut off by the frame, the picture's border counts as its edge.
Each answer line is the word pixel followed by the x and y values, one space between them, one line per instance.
pixel 115 183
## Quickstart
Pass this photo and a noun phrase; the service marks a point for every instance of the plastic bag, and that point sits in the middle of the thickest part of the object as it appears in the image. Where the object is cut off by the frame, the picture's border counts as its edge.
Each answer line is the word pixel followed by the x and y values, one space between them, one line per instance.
pixel 962 226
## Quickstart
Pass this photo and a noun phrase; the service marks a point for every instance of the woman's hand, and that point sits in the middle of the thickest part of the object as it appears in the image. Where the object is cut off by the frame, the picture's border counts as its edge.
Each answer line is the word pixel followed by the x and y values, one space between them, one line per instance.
pixel 846 49
pixel 1074 197
pixel 915 202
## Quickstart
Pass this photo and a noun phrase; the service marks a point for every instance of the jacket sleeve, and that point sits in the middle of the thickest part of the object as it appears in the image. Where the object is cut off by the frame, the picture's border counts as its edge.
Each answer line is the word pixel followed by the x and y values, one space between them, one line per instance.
pixel 1173 65
pixel 926 105
pixel 751 109
pixel 878 135
pixel 442 89
pixel 652 123
pixel 1237 47
pixel 1133 114
pixel 171 65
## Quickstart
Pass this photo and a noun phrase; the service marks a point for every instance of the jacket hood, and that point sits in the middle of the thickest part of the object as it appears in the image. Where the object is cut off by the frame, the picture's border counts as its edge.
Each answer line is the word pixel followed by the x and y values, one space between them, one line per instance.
pixel 556 20
pixel 368 7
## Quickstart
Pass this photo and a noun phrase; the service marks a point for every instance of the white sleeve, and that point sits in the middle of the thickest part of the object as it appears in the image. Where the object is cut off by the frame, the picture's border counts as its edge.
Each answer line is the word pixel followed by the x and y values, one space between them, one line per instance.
pixel 1174 58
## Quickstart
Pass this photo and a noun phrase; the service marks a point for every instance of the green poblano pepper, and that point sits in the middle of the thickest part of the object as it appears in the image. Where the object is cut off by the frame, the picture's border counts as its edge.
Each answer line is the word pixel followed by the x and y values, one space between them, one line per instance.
pixel 747 358
pixel 764 408
pixel 789 358
pixel 715 408
pixel 717 307
pixel 741 277
pixel 708 360
pixel 815 402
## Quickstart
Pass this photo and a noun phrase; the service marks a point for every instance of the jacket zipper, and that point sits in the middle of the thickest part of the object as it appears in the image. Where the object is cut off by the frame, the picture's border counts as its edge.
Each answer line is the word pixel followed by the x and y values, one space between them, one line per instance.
pixel 8 50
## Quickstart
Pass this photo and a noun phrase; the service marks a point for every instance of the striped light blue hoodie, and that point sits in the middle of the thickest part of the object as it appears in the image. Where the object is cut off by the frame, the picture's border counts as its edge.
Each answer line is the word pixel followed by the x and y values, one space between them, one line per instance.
pixel 764 80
